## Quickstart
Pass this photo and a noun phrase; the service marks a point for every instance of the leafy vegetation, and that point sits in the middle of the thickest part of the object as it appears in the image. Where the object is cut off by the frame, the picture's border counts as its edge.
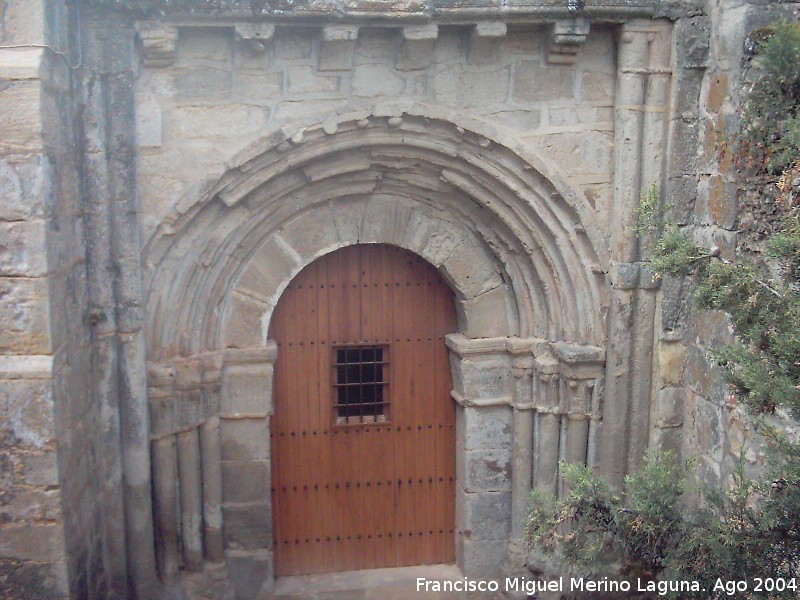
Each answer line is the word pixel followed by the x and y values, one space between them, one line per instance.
pixel 752 529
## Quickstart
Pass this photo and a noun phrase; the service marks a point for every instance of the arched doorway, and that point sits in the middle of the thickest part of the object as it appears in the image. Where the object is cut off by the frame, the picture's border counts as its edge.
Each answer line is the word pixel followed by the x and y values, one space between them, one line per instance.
pixel 363 433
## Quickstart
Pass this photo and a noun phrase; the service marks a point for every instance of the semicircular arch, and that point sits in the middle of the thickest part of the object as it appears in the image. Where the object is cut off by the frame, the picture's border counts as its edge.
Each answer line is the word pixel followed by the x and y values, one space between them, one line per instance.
pixel 480 210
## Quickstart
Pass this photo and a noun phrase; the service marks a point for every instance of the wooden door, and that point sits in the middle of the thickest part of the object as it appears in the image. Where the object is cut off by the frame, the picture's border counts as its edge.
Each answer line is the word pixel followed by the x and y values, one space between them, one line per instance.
pixel 363 434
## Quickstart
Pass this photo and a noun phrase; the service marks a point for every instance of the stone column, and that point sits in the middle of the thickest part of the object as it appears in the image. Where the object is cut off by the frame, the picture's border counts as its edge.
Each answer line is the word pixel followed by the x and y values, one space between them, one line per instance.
pixel 211 458
pixel 640 123
pixel 165 469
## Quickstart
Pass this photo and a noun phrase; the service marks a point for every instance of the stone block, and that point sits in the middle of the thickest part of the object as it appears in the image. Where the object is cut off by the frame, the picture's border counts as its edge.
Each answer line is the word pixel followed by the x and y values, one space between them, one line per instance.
pixel 248 526
pixel 669 407
pixel 24 316
pixel 384 221
pixel 261 86
pixel 599 52
pixel 722 203
pixel 487 471
pixel 204 46
pixel 485 46
pixel 481 380
pixel 487 315
pixel 336 56
pixel 251 572
pixel 597 87
pixel 243 325
pixel 311 234
pixel 692 41
pixel 534 83
pixel 20 119
pixel 23 22
pixel 229 122
pixel 373 80
pixel 487 516
pixel 292 43
pixel 40 468
pixel 201 83
pixel 485 428
pixel 148 123
pixel 456 86
pixel 471 270
pixel 520 121
pixel 33 541
pixel 269 268
pixel 245 481
pixel 34 579
pixel 25 503
pixel 303 80
pixel 416 50
pixel 246 390
pixel 671 361
pixel 23 252
pixel 348 215
pixel 481 559
pixel 432 239
pixel 245 439
pixel 20 63
pixel 307 110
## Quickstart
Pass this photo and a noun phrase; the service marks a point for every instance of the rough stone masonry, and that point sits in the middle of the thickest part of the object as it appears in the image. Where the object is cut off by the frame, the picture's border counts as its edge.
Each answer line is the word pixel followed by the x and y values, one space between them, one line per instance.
pixel 166 168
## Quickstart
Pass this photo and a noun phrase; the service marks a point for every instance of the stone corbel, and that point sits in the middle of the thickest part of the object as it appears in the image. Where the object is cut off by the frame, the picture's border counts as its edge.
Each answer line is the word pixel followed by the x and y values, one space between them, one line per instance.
pixel 416 49
pixel 338 43
pixel 484 42
pixel 159 43
pixel 481 371
pixel 255 36
pixel 566 38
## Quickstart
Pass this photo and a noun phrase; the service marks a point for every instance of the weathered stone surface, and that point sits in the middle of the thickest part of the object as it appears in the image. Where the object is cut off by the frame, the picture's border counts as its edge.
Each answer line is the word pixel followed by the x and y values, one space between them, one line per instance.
pixel 245 439
pixel 303 80
pixel 251 572
pixel 39 542
pixel 245 481
pixel 19 117
pixel 487 470
pixel 246 390
pixel 481 558
pixel 248 526
pixel 455 86
pixel 488 515
pixel 22 252
pixel 376 80
pixel 671 361
pixel 26 412
pixel 202 122
pixel 669 407
pixel 484 428
pixel 534 83
pixel 24 318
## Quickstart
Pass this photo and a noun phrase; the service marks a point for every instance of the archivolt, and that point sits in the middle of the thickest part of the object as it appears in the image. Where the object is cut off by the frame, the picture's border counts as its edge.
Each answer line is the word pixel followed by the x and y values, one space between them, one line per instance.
pixel 502 227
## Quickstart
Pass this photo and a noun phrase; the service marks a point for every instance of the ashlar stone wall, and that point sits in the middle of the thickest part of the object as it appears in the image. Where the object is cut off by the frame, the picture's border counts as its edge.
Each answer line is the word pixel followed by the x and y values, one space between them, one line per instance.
pixel 222 91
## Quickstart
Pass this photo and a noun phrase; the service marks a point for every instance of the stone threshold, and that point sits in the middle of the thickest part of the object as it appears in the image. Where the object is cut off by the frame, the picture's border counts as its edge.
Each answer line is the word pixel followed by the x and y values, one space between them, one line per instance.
pixel 386 584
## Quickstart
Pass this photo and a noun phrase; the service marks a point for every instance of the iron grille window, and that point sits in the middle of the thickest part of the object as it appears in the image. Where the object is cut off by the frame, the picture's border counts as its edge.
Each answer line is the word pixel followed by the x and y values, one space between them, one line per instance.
pixel 361 384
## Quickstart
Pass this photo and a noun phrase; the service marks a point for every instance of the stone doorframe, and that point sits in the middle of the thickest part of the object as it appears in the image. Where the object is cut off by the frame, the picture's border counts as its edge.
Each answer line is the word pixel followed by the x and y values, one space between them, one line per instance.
pixel 512 241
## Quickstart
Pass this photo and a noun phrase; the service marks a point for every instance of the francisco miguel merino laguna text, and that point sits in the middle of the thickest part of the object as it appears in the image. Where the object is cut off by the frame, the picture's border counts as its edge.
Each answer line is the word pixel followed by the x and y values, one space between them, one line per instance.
pixel 560 584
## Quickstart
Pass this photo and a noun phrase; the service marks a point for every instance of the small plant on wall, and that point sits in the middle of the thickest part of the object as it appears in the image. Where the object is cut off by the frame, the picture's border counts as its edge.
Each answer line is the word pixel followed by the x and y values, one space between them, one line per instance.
pixel 751 531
